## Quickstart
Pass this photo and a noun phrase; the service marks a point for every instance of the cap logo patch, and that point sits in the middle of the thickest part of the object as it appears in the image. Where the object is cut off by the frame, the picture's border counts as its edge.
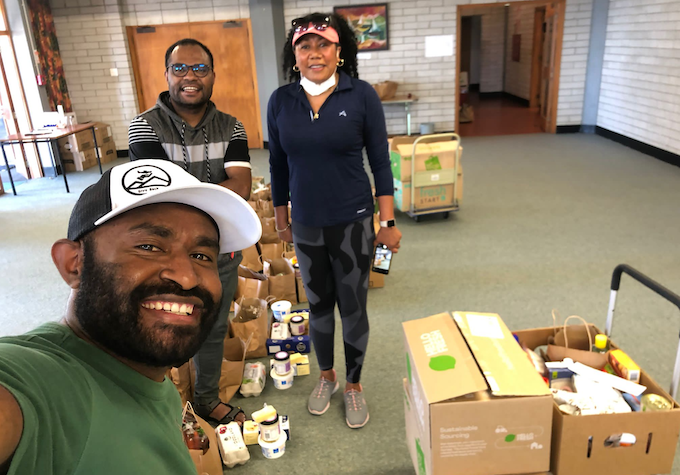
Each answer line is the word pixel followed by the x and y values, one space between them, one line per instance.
pixel 145 179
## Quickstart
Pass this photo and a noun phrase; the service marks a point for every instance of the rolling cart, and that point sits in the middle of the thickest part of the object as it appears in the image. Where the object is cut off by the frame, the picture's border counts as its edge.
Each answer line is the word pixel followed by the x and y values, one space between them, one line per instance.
pixel 434 177
pixel 656 287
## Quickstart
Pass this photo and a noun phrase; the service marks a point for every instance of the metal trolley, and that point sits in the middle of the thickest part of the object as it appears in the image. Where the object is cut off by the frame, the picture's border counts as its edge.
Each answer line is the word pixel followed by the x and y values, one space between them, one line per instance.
pixel 656 287
pixel 434 177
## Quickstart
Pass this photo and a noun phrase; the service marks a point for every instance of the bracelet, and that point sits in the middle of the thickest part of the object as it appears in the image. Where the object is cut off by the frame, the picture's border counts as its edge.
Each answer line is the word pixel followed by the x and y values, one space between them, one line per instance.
pixel 282 230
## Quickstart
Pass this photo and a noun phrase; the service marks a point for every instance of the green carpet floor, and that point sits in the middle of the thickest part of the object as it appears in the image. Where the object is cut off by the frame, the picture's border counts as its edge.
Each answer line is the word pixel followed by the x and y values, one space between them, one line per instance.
pixel 544 221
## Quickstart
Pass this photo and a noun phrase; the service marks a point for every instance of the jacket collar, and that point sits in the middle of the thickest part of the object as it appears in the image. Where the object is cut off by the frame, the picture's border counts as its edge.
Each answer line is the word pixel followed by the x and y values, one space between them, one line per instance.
pixel 165 105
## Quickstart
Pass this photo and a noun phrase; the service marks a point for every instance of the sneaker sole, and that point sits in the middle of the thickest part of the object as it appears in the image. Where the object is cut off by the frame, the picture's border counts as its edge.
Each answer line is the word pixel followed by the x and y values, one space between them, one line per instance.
pixel 358 426
pixel 318 413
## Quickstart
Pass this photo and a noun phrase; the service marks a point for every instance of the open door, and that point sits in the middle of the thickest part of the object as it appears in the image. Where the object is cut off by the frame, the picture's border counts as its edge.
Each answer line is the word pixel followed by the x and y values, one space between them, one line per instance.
pixel 235 91
pixel 547 101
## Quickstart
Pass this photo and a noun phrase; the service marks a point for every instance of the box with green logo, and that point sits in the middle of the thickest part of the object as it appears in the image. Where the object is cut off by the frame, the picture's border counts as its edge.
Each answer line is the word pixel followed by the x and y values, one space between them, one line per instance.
pixel 474 404
pixel 426 197
pixel 429 157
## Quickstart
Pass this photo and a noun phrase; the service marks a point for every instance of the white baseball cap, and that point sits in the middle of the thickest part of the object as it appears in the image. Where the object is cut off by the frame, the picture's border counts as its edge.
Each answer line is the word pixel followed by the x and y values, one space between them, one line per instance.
pixel 144 182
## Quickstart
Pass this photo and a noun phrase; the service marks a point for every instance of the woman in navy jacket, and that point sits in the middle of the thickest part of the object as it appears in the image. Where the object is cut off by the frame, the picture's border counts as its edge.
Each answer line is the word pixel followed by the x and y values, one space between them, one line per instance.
pixel 319 125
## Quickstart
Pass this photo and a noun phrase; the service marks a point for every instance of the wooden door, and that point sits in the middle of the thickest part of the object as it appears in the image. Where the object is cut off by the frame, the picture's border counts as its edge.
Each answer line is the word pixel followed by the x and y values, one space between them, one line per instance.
pixel 547 102
pixel 235 90
pixel 537 58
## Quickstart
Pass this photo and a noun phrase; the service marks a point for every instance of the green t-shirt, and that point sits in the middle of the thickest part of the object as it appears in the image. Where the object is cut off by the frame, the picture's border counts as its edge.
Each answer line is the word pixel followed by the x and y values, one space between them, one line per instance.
pixel 87 413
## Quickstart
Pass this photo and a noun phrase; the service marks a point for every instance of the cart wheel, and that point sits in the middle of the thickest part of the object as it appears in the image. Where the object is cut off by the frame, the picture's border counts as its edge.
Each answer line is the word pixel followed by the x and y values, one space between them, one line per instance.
pixel 416 218
pixel 446 215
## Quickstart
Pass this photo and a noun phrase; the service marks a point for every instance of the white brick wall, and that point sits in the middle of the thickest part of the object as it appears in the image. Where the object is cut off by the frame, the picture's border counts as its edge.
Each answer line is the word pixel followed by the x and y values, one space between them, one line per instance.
pixel 518 74
pixel 432 79
pixel 92 40
pixel 640 93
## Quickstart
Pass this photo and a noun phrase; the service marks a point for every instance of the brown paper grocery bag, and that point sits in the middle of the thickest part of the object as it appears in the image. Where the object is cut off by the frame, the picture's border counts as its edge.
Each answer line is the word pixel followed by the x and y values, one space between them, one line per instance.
pixel 232 367
pixel 281 277
pixel 251 284
pixel 209 463
pixel 251 258
pixel 576 342
pixel 271 245
pixel 183 378
pixel 251 323
pixel 265 213
pixel 268 225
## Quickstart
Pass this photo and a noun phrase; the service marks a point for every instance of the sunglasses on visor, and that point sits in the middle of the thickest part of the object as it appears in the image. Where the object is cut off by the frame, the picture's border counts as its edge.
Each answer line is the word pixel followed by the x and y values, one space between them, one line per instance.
pixel 318 22
pixel 181 70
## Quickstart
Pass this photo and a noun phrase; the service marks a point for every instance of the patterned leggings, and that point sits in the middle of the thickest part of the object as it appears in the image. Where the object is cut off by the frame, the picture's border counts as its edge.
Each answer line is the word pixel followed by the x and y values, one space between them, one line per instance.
pixel 335 262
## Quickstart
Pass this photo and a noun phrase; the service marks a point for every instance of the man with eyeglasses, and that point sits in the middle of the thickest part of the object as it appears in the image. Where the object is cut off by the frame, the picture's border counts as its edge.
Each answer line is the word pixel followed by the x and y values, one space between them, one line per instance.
pixel 185 127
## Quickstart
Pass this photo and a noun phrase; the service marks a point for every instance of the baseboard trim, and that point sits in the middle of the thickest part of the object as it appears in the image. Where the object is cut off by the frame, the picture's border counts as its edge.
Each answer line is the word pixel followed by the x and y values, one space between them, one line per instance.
pixel 567 129
pixel 503 95
pixel 663 155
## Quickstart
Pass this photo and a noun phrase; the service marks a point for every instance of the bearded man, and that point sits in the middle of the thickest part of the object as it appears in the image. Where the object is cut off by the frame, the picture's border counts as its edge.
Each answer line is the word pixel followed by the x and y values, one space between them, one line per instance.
pixel 88 394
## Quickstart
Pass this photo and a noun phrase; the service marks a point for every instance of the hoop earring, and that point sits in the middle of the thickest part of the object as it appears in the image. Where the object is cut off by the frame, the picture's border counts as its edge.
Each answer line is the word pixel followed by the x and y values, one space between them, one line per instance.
pixel 341 63
pixel 295 68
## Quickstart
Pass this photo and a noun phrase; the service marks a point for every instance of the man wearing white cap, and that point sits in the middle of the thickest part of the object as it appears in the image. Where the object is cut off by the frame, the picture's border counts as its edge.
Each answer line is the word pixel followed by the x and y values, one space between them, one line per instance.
pixel 88 394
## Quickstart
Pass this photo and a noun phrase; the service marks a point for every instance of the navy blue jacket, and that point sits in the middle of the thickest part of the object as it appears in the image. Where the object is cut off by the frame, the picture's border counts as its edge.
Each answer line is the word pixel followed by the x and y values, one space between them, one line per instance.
pixel 319 162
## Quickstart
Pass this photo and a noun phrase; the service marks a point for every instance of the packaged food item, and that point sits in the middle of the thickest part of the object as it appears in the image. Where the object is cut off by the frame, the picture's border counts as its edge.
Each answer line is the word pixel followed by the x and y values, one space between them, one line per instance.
pixel 654 402
pixel 281 364
pixel 601 343
pixel 265 413
pixel 251 431
pixel 624 366
pixel 232 447
pixel 254 378
pixel 195 437
pixel 297 325
pixel 633 402
pixel 270 429
pixel 280 331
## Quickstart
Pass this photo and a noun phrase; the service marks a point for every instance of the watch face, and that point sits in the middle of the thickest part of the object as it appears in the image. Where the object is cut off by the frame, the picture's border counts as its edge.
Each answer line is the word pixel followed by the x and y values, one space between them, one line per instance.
pixel 390 223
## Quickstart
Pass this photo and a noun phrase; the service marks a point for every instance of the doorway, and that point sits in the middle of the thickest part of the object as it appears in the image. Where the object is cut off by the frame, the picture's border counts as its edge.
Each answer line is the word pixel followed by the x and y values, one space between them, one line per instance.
pixel 230 42
pixel 508 67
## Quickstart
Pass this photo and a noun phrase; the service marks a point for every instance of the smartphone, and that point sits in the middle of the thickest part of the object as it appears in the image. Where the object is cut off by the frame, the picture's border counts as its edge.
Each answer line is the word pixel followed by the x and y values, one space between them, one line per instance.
pixel 382 259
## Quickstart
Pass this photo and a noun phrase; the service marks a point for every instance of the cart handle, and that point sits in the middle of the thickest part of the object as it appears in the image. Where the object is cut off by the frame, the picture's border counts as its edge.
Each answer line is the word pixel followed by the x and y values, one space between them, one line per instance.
pixel 652 285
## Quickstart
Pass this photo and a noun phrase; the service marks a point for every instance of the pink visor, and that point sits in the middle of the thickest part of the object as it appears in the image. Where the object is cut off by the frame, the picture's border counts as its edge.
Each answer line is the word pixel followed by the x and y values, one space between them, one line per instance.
pixel 328 32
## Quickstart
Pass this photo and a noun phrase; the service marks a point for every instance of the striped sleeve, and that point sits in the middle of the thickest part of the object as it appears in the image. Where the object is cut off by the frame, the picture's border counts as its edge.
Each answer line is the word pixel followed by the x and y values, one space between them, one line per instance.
pixel 237 151
pixel 143 142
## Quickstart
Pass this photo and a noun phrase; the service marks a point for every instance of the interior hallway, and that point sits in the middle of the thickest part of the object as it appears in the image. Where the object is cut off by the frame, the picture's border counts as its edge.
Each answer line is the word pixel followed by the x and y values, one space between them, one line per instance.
pixel 503 115
pixel 544 221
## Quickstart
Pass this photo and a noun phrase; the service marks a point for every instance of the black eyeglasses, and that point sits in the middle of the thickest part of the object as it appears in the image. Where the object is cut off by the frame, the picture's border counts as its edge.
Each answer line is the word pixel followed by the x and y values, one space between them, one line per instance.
pixel 319 23
pixel 181 70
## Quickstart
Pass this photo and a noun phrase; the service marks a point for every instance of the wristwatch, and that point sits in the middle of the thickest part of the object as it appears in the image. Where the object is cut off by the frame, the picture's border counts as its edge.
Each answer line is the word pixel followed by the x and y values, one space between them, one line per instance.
pixel 390 223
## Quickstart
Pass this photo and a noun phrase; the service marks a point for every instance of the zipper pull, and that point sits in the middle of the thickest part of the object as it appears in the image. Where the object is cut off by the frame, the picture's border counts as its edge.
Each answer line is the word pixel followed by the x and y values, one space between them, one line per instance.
pixel 316 116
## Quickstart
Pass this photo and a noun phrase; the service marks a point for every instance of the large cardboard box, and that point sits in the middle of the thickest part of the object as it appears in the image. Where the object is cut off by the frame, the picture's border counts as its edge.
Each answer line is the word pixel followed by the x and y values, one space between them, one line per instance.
pixel 103 132
pixel 429 157
pixel 78 161
pixel 78 142
pixel 474 403
pixel 578 441
pixel 107 151
pixel 426 197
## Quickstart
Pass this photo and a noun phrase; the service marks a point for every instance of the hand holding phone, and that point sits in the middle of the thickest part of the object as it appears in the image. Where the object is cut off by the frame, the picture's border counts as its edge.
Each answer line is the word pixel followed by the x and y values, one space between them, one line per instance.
pixel 382 259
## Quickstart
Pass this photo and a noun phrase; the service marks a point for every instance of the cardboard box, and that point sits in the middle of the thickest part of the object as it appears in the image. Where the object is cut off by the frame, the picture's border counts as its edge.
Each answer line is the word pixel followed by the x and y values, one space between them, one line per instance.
pixel 108 152
pixel 575 453
pixel 429 156
pixel 78 161
pixel 294 344
pixel 376 280
pixel 103 132
pixel 77 142
pixel 436 196
pixel 474 404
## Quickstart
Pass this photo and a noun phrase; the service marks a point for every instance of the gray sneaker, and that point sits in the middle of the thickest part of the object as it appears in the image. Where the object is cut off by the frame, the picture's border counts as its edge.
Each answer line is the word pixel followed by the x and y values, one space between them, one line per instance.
pixel 320 399
pixel 356 410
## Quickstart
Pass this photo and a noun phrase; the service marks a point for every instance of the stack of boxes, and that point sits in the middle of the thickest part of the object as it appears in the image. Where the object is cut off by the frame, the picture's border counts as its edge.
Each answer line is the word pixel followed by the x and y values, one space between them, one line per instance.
pixel 78 151
pixel 438 177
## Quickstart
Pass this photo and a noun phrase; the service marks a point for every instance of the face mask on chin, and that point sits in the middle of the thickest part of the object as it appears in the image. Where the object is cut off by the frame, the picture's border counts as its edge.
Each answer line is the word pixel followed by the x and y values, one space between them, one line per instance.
pixel 314 89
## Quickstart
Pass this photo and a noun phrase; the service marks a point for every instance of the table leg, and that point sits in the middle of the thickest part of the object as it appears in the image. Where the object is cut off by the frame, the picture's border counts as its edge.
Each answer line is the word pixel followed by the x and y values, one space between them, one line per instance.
pixel 407 106
pixel 9 172
pixel 60 163
pixel 54 163
pixel 96 150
